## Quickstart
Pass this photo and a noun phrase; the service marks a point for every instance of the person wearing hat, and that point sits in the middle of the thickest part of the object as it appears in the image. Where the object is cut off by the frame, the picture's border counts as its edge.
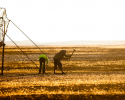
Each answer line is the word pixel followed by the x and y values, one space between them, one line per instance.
pixel 43 59
pixel 57 60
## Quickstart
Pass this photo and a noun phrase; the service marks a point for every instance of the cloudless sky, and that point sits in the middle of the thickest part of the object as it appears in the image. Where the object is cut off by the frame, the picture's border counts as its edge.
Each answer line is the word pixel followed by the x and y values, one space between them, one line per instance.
pixel 66 20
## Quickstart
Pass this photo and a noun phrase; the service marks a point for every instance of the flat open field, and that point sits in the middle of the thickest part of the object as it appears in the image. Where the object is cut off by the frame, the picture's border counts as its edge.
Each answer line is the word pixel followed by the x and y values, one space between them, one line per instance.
pixel 93 73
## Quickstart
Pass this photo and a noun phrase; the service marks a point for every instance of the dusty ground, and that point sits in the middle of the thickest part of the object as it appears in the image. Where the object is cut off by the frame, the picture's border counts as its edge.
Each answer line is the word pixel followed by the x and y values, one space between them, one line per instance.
pixel 93 72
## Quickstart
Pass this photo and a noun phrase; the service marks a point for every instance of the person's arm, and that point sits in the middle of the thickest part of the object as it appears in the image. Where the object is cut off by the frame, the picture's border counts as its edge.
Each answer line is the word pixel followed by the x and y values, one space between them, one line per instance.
pixel 66 58
pixel 68 55
pixel 47 61
pixel 65 55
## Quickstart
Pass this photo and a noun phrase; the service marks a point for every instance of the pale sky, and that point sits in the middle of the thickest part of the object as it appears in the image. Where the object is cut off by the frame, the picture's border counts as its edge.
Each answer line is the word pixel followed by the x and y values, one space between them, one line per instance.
pixel 66 20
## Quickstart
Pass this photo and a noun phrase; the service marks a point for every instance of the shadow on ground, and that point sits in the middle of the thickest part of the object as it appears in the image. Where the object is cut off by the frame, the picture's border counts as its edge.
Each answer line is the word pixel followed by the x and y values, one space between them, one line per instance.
pixel 64 97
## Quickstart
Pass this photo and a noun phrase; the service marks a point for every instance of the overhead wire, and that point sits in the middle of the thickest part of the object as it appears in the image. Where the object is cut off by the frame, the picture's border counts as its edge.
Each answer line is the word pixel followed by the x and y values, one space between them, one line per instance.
pixel 30 39
pixel 20 49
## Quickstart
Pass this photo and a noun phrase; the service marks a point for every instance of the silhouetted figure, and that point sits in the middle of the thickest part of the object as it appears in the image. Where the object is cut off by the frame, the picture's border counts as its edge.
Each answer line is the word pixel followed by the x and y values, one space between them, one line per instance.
pixel 42 59
pixel 57 60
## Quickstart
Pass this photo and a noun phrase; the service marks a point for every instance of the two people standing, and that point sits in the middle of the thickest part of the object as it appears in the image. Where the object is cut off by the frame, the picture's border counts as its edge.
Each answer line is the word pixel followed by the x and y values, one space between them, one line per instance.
pixel 57 60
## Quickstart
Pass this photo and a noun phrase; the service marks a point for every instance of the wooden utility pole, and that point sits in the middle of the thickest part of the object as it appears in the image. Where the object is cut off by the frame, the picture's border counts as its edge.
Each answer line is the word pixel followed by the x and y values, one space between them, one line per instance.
pixel 3 51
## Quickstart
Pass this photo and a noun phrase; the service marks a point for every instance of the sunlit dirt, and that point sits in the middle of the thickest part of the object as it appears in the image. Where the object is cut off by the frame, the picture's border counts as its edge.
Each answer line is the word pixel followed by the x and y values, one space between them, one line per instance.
pixel 93 72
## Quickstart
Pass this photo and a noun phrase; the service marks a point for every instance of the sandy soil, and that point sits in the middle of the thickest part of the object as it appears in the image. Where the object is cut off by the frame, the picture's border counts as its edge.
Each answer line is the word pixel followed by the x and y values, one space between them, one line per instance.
pixel 93 72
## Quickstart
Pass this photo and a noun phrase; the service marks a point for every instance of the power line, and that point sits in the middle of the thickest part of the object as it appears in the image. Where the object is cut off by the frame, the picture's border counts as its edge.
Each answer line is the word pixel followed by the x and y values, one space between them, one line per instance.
pixel 30 39
pixel 19 48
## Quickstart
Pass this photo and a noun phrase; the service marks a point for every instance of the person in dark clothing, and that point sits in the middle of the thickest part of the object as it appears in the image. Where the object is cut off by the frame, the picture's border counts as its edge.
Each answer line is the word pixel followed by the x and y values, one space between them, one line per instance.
pixel 57 59
pixel 42 59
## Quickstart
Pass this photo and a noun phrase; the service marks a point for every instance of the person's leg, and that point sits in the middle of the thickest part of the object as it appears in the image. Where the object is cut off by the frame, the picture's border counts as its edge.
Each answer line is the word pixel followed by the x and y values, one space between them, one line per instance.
pixel 43 66
pixel 40 61
pixel 57 62
pixel 55 65
pixel 60 66
pixel 54 68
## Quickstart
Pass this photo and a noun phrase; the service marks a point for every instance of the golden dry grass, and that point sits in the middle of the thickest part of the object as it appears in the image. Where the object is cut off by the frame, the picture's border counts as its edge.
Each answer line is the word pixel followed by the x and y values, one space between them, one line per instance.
pixel 92 73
